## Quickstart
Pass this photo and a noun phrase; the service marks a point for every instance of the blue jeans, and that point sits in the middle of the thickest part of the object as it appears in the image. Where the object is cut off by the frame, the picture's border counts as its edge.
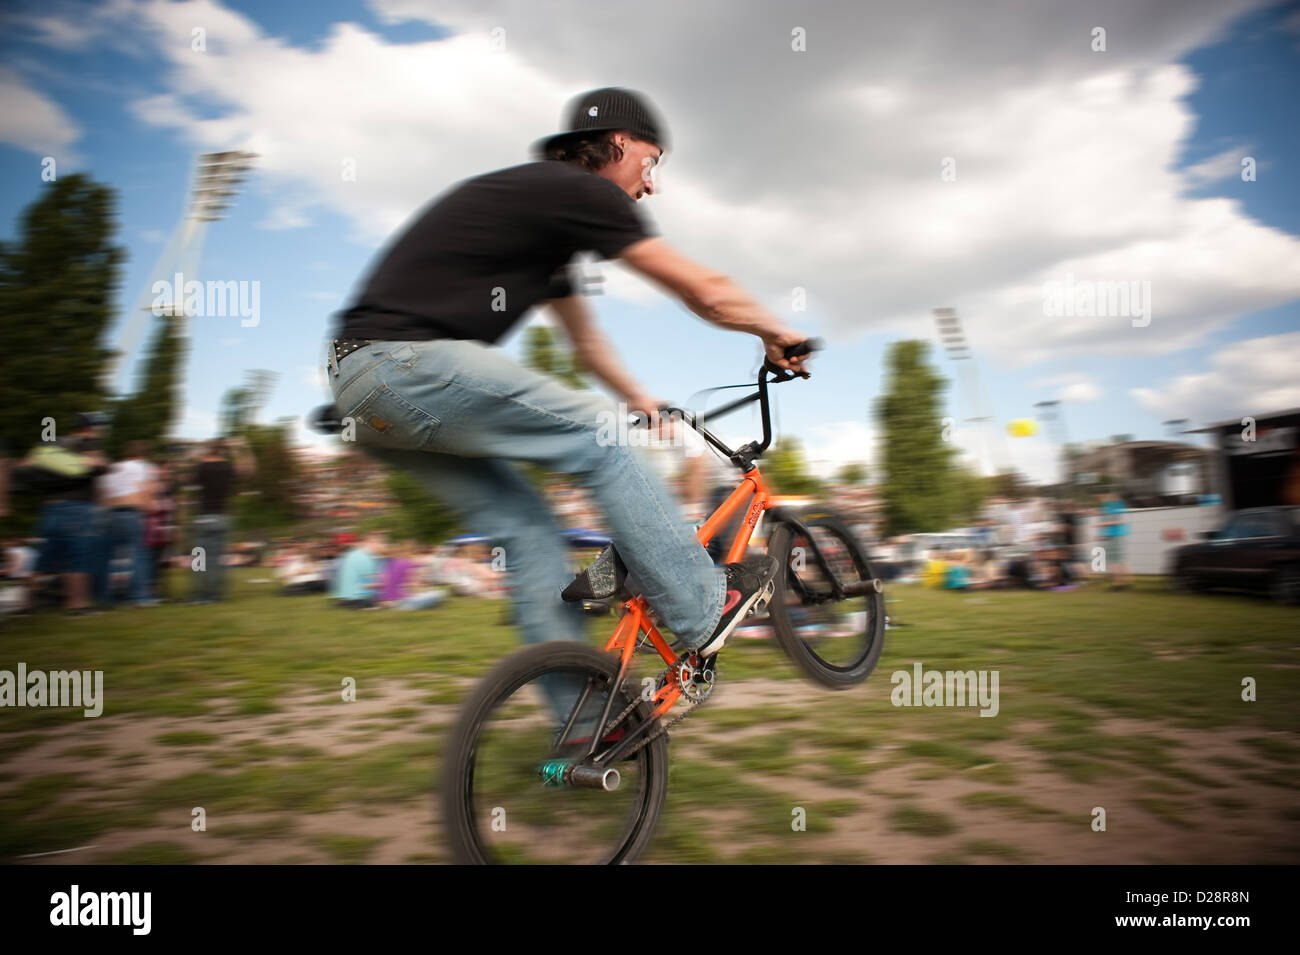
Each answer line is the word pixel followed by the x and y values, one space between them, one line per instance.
pixel 426 600
pixel 126 529
pixel 455 413
pixel 210 584
pixel 67 532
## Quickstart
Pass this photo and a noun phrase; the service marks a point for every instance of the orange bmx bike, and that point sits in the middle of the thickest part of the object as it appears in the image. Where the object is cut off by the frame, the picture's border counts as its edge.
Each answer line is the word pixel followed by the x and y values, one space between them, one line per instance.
pixel 561 754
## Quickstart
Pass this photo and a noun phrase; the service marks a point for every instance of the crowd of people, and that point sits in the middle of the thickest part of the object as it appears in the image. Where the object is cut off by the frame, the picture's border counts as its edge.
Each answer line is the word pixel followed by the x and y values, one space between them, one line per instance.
pixel 108 529
pixel 372 571
pixel 1039 544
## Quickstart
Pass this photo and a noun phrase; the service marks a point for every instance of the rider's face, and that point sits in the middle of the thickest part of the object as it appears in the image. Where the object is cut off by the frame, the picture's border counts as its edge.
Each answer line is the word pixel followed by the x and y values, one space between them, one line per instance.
pixel 634 173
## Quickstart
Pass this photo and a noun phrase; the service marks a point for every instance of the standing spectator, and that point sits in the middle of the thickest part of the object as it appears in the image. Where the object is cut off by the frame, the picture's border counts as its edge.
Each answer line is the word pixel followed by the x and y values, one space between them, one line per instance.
pixel 66 470
pixel 160 530
pixel 215 477
pixel 19 570
pixel 1072 521
pixel 127 492
pixel 1114 535
pixel 4 480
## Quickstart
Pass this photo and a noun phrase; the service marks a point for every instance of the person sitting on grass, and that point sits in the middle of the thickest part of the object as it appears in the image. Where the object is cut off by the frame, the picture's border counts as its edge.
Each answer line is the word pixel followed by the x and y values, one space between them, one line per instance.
pixel 956 575
pixel 400 572
pixel 302 572
pixel 359 574
pixel 986 571
pixel 936 569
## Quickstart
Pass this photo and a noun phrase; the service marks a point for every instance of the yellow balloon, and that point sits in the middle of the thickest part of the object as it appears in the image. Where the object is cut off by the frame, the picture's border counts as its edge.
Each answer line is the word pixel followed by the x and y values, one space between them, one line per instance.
pixel 1022 428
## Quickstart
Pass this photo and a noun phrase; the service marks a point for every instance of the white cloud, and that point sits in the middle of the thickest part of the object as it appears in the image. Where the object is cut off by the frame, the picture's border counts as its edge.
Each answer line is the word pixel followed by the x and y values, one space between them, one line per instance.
pixel 1080 391
pixel 1225 165
pixel 831 446
pixel 33 122
pixel 1072 386
pixel 63 34
pixel 1253 376
pixel 314 377
pixel 822 169
pixel 817 169
pixel 196 423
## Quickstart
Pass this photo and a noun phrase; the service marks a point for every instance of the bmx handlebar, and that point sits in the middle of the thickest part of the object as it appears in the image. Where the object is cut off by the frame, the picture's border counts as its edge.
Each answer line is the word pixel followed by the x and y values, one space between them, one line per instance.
pixel 744 456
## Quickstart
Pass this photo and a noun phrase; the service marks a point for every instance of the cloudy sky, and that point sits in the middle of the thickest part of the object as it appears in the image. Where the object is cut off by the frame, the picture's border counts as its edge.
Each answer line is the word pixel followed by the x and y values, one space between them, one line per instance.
pixel 883 159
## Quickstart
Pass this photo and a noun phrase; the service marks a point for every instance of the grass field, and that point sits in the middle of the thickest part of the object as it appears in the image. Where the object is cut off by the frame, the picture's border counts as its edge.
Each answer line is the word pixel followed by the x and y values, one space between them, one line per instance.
pixel 1129 702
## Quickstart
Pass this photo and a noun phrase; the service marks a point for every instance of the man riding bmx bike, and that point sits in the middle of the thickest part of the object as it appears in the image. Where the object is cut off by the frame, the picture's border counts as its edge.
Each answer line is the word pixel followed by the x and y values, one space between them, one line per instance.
pixel 415 366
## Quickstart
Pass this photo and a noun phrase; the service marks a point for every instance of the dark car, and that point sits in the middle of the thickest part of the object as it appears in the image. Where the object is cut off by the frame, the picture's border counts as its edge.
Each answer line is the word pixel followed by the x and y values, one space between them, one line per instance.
pixel 1258 549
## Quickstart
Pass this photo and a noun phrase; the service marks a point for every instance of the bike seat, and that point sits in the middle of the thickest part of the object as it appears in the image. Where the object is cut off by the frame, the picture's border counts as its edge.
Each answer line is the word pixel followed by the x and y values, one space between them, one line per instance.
pixel 604 578
pixel 325 419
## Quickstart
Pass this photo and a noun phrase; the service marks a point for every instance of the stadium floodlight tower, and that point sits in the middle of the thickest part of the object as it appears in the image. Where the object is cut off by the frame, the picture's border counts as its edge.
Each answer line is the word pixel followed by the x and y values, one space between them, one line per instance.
pixel 1052 413
pixel 217 177
pixel 953 340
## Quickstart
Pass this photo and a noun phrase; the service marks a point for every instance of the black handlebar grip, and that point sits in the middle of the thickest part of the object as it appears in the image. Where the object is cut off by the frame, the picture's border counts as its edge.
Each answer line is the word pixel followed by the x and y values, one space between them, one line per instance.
pixel 806 347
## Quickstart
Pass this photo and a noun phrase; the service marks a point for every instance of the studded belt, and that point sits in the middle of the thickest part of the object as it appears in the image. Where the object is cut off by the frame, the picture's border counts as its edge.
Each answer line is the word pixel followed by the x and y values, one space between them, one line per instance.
pixel 340 348
pixel 346 346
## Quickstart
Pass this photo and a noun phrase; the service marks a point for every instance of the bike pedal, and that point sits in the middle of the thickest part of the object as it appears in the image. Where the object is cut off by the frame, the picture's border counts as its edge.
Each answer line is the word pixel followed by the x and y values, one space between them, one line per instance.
pixel 761 603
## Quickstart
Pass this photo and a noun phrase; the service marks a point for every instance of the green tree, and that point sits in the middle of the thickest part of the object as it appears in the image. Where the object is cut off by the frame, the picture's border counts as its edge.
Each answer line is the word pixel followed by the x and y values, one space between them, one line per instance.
pixel 418 515
pixel 148 413
pixel 545 353
pixel 272 501
pixel 786 468
pixel 58 281
pixel 852 473
pixel 916 462
pixel 969 492
pixel 1011 485
pixel 239 406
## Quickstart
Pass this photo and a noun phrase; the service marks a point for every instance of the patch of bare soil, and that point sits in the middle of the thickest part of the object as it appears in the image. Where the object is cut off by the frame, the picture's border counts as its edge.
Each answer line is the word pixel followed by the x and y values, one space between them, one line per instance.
pixel 1151 817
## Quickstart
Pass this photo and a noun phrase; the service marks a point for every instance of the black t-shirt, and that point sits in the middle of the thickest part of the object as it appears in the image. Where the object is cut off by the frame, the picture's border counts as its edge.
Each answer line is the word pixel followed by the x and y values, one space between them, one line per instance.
pixel 215 480
pixel 64 487
pixel 1069 528
pixel 514 230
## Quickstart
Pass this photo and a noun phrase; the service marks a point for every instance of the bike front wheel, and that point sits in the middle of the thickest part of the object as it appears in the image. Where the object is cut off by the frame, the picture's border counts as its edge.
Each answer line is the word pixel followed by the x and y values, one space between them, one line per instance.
pixel 836 641
pixel 508 794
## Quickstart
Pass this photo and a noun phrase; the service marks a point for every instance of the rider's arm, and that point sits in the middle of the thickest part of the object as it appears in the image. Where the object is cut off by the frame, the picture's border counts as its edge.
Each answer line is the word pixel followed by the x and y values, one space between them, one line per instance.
pixel 594 349
pixel 711 295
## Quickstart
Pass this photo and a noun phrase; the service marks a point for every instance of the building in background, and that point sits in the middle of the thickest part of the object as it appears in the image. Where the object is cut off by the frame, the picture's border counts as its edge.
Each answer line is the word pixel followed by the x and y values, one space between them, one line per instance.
pixel 1147 473
pixel 1259 463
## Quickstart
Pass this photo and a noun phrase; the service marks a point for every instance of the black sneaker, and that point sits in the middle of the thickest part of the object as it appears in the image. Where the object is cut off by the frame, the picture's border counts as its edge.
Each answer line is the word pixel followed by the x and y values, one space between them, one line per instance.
pixel 748 582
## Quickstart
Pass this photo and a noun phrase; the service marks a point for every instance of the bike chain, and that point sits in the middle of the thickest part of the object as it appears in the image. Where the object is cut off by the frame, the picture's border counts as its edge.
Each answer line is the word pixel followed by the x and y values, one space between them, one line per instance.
pixel 692 705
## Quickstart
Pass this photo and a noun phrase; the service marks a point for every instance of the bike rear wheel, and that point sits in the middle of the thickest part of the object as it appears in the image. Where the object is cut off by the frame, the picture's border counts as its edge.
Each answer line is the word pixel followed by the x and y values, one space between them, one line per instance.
pixel 501 797
pixel 836 642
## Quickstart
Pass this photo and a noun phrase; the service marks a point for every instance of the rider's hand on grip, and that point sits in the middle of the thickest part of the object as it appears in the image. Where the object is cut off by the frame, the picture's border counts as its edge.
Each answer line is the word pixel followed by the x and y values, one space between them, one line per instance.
pixel 791 357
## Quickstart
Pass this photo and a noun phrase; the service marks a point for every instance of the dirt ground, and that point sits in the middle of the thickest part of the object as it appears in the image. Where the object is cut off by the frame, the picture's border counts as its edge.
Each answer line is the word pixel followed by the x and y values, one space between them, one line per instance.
pixel 1234 820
